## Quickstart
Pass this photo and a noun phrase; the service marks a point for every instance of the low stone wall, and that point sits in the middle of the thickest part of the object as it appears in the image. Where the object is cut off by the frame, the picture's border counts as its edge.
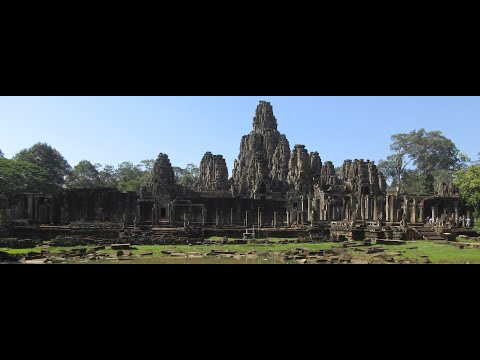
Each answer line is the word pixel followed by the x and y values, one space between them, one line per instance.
pixel 14 243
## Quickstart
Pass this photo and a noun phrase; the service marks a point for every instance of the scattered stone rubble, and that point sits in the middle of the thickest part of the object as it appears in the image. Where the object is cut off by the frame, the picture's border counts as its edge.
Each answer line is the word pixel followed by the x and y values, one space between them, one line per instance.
pixel 361 254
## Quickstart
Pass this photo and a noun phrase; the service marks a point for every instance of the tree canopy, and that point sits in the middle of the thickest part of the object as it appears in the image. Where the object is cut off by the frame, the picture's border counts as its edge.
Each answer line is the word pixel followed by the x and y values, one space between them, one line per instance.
pixel 23 176
pixel 189 177
pixel 468 182
pixel 420 159
pixel 49 159
pixel 108 176
pixel 129 177
pixel 84 174
pixel 126 177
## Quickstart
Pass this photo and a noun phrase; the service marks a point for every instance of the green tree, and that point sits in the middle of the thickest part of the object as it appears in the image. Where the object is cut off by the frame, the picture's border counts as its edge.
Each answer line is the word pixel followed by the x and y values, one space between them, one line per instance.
pixel 414 183
pixel 427 152
pixel 478 160
pixel 147 166
pixel 84 175
pixel 49 159
pixel 130 177
pixel 107 175
pixel 1 154
pixel 468 182
pixel 189 177
pixel 23 176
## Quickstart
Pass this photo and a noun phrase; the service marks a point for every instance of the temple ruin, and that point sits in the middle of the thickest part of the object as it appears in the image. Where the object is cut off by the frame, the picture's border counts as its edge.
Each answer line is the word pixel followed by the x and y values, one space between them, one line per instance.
pixel 273 188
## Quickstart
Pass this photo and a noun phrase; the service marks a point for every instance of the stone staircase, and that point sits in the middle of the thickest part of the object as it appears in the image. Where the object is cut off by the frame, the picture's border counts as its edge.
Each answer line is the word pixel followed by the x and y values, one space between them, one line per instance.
pixel 427 233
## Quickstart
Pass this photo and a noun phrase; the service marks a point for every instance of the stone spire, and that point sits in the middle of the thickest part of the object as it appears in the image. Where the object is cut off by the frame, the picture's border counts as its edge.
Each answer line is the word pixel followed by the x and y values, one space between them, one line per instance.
pixel 362 177
pixel 163 179
pixel 316 166
pixel 262 164
pixel 280 160
pixel 213 172
pixel 264 119
pixel 299 170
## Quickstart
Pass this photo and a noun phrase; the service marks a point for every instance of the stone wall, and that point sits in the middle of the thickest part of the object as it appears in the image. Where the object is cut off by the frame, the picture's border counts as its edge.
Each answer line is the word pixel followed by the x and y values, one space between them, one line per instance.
pixel 98 205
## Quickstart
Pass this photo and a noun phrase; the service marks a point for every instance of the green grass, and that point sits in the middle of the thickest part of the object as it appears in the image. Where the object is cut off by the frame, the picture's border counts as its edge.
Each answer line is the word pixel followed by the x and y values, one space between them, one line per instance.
pixel 437 253
pixel 463 240
pixel 20 251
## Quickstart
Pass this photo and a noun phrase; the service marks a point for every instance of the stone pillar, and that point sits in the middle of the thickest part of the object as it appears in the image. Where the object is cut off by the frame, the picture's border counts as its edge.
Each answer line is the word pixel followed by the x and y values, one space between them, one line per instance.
pixel 317 209
pixel 260 223
pixel 51 211
pixel 203 215
pixel 172 215
pixel 321 208
pixel 405 208
pixel 274 219
pixel 309 208
pixel 375 217
pixel 421 212
pixel 362 208
pixel 387 209
pixel 393 206
pixel 456 211
pixel 288 217
pixel 30 208
pixel 258 217
pixel 435 212
pixel 36 216
pixel 413 217
pixel 367 208
pixel 231 216
pixel 217 218
pixel 138 213
pixel 246 218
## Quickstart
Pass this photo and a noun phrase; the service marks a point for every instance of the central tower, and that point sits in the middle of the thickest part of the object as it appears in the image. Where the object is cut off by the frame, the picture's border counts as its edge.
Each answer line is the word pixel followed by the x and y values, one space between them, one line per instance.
pixel 261 169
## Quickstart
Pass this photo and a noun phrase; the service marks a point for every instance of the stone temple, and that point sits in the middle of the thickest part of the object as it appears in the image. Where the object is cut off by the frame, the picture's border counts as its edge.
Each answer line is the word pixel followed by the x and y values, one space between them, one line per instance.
pixel 275 188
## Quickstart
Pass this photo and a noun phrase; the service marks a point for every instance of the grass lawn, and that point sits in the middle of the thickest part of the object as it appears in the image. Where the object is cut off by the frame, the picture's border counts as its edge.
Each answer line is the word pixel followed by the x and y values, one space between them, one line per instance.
pixel 437 253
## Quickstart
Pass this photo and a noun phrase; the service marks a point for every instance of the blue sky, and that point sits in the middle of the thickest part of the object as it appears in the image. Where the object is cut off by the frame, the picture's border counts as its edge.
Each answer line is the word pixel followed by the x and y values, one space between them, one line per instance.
pixel 110 130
